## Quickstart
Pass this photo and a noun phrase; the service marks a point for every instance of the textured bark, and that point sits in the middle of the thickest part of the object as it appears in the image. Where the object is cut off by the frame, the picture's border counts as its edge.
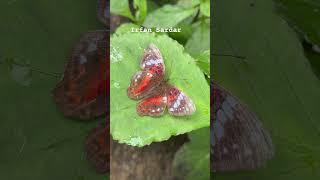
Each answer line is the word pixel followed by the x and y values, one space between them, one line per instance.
pixel 152 162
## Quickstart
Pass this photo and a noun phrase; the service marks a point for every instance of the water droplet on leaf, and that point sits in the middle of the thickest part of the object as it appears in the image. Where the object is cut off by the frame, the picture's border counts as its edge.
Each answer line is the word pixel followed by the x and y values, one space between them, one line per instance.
pixel 116 85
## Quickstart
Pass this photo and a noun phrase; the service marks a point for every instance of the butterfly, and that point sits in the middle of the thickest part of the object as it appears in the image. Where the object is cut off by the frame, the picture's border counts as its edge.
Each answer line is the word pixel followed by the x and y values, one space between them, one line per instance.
pixel 156 94
pixel 238 140
pixel 83 92
pixel 97 148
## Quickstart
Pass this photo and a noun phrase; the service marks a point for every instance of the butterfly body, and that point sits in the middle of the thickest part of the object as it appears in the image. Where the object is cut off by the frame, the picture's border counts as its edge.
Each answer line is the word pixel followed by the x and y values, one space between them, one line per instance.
pixel 156 93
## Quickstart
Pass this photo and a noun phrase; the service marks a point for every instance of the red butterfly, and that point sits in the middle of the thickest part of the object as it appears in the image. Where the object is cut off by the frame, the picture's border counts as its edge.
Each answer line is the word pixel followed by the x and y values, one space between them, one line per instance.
pixel 238 140
pixel 84 90
pixel 156 94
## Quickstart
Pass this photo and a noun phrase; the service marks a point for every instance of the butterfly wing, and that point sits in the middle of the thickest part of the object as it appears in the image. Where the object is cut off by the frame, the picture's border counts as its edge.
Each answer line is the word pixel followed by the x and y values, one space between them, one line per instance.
pixel 144 82
pixel 103 12
pixel 97 147
pixel 152 57
pixel 238 140
pixel 179 104
pixel 155 104
pixel 83 91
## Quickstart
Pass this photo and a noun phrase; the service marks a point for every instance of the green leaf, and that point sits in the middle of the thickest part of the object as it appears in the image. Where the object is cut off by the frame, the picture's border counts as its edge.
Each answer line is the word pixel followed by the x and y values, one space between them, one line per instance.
pixel 141 10
pixel 181 70
pixel 275 81
pixel 200 40
pixel 152 6
pixel 203 61
pixel 193 159
pixel 126 28
pixel 195 2
pixel 304 16
pixel 121 7
pixel 188 3
pixel 37 142
pixel 168 16
pixel 186 31
pixel 314 58
pixel 205 7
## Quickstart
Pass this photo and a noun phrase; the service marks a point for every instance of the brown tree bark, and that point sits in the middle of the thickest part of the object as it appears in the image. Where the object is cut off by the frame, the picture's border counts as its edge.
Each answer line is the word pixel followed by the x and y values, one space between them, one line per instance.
pixel 152 162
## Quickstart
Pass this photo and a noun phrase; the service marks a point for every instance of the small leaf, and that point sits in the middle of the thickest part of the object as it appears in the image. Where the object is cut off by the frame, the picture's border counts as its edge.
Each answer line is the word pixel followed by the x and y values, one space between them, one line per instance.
pixel 303 16
pixel 186 31
pixel 188 3
pixel 200 40
pixel 152 5
pixel 205 7
pixel 203 61
pixel 181 70
pixel 141 10
pixel 168 16
pixel 121 7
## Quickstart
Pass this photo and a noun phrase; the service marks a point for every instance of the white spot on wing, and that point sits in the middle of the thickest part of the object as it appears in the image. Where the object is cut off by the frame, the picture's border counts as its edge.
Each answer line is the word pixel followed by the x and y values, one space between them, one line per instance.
pixel 83 59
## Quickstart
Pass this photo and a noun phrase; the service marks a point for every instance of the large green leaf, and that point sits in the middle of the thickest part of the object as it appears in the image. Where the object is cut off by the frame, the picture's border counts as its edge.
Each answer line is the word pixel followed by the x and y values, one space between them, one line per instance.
pixel 276 82
pixel 193 159
pixel 37 142
pixel 181 70
pixel 168 16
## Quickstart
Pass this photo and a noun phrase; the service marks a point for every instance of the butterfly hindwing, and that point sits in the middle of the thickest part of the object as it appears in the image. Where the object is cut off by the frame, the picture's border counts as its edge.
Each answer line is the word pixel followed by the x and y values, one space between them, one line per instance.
pixel 179 104
pixel 238 140
pixel 152 106
pixel 82 93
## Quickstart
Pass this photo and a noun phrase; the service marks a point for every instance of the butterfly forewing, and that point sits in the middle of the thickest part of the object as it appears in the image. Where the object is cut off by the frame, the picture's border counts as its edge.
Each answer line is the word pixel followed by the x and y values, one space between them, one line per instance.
pixel 97 148
pixel 238 140
pixel 153 58
pixel 143 83
pixel 82 93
